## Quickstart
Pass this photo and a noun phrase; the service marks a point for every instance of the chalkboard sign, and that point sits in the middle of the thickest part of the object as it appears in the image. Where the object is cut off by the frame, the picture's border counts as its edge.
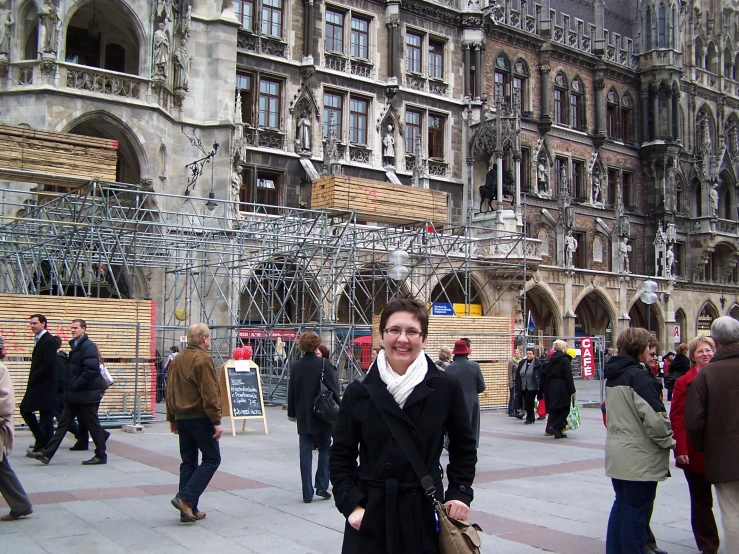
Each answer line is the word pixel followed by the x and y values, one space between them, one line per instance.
pixel 241 392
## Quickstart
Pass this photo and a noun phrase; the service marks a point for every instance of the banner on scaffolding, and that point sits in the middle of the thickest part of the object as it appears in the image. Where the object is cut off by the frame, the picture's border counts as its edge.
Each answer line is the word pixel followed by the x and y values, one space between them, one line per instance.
pixel 588 357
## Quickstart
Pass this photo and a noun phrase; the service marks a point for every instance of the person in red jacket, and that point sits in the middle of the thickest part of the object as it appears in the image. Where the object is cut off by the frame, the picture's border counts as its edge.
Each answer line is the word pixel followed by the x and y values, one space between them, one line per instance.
pixel 692 462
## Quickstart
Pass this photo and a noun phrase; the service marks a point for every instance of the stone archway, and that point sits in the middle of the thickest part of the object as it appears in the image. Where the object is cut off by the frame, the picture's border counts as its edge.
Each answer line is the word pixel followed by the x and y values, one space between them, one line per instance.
pixel 365 294
pixel 544 309
pixel 595 313
pixel 649 317
pixel 734 312
pixel 706 315
pixel 451 289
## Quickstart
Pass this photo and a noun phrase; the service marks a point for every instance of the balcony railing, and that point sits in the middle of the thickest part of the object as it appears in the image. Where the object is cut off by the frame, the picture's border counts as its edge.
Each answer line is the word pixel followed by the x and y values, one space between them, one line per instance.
pixel 93 79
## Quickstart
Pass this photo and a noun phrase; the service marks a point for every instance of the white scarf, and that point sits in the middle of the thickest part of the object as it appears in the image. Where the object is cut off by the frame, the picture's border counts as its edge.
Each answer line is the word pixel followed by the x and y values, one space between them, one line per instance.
pixel 401 386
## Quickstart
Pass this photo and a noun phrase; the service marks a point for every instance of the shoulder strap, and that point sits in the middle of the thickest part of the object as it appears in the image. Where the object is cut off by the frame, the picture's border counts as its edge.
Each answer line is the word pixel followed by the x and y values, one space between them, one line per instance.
pixel 411 452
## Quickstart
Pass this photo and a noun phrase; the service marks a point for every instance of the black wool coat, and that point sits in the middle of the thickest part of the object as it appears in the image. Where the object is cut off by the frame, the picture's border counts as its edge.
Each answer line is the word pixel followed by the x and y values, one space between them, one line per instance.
pixel 560 384
pixel 473 384
pixel 369 468
pixel 302 389
pixel 41 389
pixel 83 373
pixel 62 361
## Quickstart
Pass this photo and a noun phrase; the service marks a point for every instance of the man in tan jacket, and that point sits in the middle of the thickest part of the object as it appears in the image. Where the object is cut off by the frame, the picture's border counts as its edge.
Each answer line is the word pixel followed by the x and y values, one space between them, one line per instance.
pixel 194 413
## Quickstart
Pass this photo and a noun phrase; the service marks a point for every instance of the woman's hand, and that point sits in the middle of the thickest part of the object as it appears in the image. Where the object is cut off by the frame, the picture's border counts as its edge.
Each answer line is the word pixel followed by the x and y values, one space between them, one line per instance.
pixel 683 459
pixel 355 518
pixel 457 509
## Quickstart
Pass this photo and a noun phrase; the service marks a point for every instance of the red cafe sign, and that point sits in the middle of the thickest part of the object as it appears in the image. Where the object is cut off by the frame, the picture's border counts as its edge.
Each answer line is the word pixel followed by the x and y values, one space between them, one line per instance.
pixel 588 361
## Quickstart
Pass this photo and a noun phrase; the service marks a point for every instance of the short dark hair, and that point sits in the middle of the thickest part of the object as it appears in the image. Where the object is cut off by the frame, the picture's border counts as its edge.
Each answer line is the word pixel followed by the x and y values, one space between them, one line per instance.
pixel 174 349
pixel 308 341
pixel 406 304
pixel 41 318
pixel 58 341
pixel 324 351
pixel 633 341
pixel 466 341
pixel 82 322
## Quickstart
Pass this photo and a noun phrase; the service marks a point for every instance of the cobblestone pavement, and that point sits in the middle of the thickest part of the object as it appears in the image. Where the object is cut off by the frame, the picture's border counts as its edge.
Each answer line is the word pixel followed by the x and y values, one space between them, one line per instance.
pixel 532 494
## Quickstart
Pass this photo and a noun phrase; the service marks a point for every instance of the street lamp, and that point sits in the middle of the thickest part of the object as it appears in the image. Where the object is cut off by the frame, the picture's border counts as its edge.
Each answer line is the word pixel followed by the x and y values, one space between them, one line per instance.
pixel 398 270
pixel 649 296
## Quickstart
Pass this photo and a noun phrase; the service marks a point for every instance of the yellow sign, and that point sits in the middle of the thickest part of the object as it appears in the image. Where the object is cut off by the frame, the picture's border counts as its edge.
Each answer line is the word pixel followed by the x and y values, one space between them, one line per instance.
pixel 474 309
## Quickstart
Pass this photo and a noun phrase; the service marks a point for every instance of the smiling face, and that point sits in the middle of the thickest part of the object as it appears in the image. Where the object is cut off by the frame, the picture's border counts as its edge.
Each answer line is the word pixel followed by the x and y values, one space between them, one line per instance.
pixel 400 349
pixel 702 355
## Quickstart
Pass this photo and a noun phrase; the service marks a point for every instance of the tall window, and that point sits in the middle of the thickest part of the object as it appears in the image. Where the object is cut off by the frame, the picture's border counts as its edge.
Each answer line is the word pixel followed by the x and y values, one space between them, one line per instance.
pixel 627 181
pixel 612 186
pixel 436 136
pixel 334 31
pixel 360 38
pixel 520 84
pixel 526 168
pixel 358 121
pixel 560 92
pixel 332 107
pixel 412 130
pixel 648 29
pixel 627 118
pixel 578 181
pixel 245 13
pixel 244 88
pixel 269 103
pixel 559 165
pixel 579 259
pixel 436 59
pixel 661 27
pixel 577 105
pixel 413 52
pixel 612 115
pixel 679 196
pixel 502 77
pixel 272 17
pixel 267 190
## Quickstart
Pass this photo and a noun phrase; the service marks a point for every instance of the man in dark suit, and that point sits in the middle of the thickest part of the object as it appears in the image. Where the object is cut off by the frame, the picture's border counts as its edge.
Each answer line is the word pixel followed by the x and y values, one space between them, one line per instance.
pixel 41 388
pixel 473 383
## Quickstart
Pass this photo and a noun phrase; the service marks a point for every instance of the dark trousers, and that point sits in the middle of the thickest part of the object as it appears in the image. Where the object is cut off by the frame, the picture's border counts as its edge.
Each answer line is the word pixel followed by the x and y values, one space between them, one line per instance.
pixel 557 418
pixel 196 435
pixel 529 400
pixel 306 463
pixel 701 512
pixel 627 524
pixel 11 489
pixel 87 415
pixel 57 412
pixel 511 399
pixel 42 428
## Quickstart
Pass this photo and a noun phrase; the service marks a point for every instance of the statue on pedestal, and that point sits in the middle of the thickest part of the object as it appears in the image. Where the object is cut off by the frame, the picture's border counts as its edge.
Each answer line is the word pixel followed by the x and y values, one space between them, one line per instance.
pixel 182 65
pixel 161 52
pixel 623 253
pixel 570 248
pixel 304 132
pixel 713 201
pixel 388 146
pixel 6 22
pixel 669 260
pixel 49 24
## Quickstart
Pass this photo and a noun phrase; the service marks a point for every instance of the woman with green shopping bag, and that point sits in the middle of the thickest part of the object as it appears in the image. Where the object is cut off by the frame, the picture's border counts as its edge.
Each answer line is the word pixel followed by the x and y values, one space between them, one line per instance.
pixel 560 389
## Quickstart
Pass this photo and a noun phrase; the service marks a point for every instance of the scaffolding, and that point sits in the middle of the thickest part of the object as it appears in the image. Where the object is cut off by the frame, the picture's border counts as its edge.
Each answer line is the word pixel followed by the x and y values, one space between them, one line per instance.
pixel 238 265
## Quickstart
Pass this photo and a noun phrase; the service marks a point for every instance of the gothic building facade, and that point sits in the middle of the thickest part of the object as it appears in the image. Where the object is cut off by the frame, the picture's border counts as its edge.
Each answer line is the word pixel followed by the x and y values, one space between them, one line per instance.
pixel 628 146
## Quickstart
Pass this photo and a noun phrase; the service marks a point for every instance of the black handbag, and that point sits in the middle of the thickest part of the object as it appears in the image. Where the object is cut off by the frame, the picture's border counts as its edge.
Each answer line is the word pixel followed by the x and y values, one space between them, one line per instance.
pixel 325 407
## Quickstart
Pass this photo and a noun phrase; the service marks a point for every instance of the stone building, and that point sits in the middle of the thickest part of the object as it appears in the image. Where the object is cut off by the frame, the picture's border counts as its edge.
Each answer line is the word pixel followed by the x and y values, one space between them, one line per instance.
pixel 625 160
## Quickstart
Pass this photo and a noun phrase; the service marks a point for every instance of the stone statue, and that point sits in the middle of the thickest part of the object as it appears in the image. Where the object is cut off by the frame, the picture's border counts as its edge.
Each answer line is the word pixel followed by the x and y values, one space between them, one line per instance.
pixel 570 247
pixel 304 132
pixel 388 145
pixel 669 260
pixel 185 21
pixel 161 51
pixel 49 23
pixel 6 22
pixel 235 183
pixel 182 64
pixel 597 189
pixel 563 183
pixel 542 178
pixel 623 253
pixel 713 201
pixel 164 8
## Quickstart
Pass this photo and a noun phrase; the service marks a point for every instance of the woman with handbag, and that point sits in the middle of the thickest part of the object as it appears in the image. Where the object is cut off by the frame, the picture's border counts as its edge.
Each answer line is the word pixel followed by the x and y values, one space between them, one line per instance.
pixel 306 376
pixel 398 414
pixel 560 388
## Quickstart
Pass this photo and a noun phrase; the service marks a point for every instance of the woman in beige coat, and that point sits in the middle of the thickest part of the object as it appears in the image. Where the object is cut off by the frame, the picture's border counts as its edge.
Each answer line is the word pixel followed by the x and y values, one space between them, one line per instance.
pixel 10 487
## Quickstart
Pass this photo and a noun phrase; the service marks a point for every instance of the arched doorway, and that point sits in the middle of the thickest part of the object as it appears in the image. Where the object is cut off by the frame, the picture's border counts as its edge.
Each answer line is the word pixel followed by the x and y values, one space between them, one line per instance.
pixel 734 312
pixel 705 318
pixel 544 311
pixel 647 316
pixel 681 322
pixel 365 294
pixel 451 289
pixel 593 316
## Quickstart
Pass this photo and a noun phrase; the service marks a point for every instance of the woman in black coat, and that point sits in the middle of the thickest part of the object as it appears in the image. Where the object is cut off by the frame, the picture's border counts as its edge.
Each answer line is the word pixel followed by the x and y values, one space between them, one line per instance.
pixel 680 366
pixel 380 495
pixel 305 376
pixel 560 389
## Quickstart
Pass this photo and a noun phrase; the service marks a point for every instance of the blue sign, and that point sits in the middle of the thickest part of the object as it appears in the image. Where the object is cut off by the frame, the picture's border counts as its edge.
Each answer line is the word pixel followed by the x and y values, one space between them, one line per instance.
pixel 442 308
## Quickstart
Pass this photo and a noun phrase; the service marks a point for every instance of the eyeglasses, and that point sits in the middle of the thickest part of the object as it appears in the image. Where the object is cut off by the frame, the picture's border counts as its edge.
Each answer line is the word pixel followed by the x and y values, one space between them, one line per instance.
pixel 410 333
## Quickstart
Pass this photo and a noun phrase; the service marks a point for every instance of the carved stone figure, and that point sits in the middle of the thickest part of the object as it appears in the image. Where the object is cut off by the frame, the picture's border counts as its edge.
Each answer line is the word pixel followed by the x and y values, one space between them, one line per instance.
pixel 623 253
pixel 563 182
pixel 161 51
pixel 182 64
pixel 542 178
pixel 597 189
pixel 388 145
pixel 6 22
pixel 49 23
pixel 669 260
pixel 164 8
pixel 304 132
pixel 235 183
pixel 570 247
pixel 713 201
pixel 185 21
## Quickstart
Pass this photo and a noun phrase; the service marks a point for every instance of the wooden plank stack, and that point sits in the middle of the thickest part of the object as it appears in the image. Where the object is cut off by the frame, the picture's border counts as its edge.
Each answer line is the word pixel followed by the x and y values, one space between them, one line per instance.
pixel 58 159
pixel 492 344
pixel 111 324
pixel 379 202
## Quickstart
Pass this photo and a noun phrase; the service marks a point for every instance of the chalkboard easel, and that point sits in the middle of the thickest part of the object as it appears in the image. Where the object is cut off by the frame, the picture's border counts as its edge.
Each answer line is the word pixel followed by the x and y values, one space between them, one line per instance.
pixel 241 393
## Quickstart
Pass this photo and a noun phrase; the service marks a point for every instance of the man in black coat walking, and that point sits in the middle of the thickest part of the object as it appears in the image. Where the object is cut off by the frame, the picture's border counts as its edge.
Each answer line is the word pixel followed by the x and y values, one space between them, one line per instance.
pixel 473 383
pixel 305 377
pixel 83 393
pixel 41 387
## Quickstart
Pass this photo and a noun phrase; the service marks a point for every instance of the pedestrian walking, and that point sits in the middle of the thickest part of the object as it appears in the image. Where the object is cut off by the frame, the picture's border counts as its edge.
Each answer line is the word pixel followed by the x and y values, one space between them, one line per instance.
pixel 713 424
pixel 40 395
pixel 194 415
pixel 679 366
pixel 529 384
pixel 472 381
pixel 560 388
pixel 512 367
pixel 82 396
pixel 306 375
pixel 445 358
pixel 692 462
pixel 62 362
pixel 10 487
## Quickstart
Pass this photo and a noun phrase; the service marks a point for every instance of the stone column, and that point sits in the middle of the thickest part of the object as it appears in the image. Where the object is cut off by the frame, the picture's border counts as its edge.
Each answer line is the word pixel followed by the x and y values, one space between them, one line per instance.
pixel 644 114
pixel 467 68
pixel 655 120
pixel 470 190
pixel 519 221
pixel 499 190
pixel 669 116
pixel 478 70
pixel 676 115
pixel 545 118
pixel 479 75
pixel 599 126
pixel 308 30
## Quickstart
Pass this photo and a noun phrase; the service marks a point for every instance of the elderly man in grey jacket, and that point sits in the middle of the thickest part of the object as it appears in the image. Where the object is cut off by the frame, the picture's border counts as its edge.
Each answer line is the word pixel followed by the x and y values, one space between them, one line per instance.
pixel 470 375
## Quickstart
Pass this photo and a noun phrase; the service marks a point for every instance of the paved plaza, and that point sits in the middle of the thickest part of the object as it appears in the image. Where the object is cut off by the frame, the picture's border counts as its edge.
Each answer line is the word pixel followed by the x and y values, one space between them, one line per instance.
pixel 532 494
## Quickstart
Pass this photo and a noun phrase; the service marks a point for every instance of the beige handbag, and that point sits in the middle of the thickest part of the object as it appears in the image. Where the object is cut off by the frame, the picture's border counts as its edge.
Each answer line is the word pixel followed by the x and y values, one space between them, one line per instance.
pixel 457 537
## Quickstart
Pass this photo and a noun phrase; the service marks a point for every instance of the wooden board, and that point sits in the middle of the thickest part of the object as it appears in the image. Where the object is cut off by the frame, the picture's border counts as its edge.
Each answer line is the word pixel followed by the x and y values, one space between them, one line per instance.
pixel 491 341
pixel 111 324
pixel 241 394
pixel 382 202
pixel 56 156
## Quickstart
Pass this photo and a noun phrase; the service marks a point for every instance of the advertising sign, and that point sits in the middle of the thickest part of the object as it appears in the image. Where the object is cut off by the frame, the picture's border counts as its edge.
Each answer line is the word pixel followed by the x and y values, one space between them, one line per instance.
pixel 588 357
pixel 442 308
pixel 475 309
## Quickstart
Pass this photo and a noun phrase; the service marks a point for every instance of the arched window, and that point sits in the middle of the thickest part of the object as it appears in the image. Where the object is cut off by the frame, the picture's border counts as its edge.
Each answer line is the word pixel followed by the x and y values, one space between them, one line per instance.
pixel 700 55
pixel 696 206
pixel 728 64
pixel 612 115
pixel 627 118
pixel 673 30
pixel 648 29
pixel 502 77
pixel 711 63
pixel 661 24
pixel 724 201
pixel 679 195
pixel 521 84
pixel 577 105
pixel 560 99
pixel 735 68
